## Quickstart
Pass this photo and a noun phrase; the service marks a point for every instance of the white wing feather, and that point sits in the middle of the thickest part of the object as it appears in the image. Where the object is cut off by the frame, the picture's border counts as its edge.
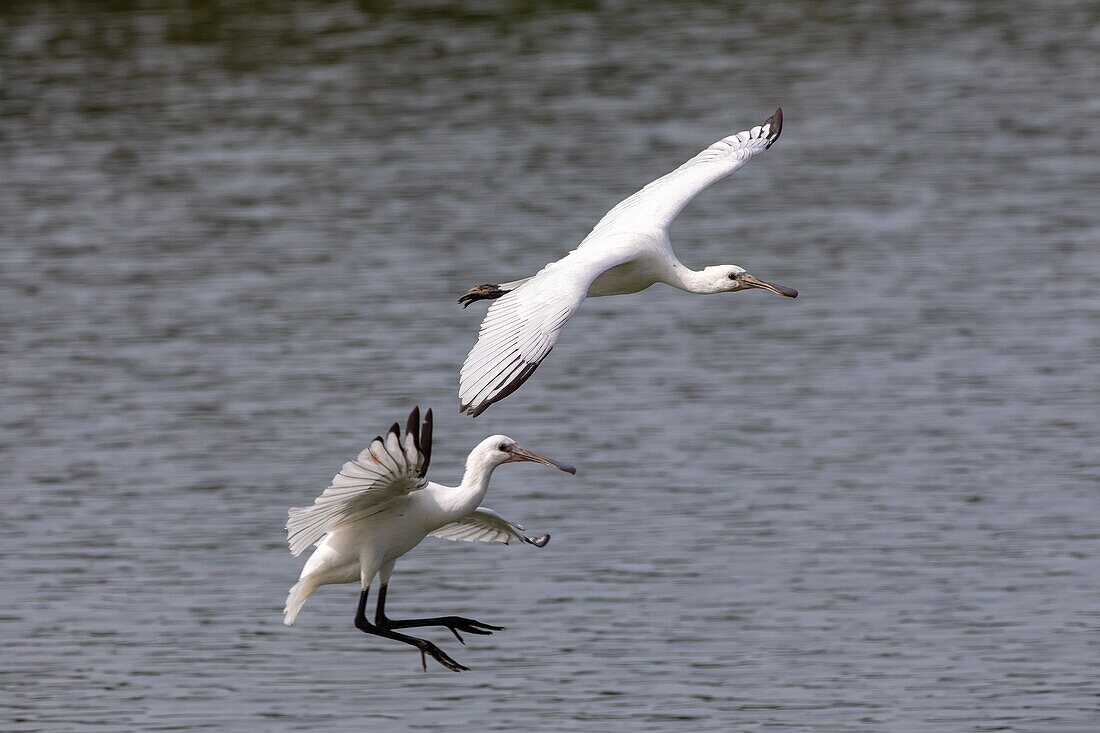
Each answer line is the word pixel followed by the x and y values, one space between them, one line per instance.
pixel 485 525
pixel 385 471
pixel 657 205
pixel 521 328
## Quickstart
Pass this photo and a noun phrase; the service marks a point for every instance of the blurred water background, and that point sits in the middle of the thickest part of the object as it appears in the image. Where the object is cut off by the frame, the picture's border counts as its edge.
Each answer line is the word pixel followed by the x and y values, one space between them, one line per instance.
pixel 232 238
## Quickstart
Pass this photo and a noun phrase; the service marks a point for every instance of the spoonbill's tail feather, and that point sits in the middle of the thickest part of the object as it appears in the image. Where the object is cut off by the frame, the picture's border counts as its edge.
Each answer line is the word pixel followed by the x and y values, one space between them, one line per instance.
pixel 299 592
pixel 489 291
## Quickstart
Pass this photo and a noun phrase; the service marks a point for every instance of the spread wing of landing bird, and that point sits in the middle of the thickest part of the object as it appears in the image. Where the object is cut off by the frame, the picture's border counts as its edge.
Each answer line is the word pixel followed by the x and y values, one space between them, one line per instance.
pixel 626 252
pixel 381 505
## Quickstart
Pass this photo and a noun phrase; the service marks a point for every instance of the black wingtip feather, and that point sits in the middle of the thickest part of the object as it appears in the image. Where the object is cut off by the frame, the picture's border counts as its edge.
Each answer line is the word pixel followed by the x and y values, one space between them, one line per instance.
pixel 539 541
pixel 776 122
pixel 426 441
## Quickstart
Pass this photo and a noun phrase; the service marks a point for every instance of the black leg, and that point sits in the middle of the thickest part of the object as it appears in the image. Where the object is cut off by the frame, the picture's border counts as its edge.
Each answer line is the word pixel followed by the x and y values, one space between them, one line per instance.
pixel 425 647
pixel 380 610
pixel 454 623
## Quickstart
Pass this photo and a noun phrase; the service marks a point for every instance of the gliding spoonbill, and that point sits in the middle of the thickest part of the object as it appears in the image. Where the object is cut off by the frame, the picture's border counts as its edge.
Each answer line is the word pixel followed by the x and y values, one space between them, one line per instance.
pixel 626 252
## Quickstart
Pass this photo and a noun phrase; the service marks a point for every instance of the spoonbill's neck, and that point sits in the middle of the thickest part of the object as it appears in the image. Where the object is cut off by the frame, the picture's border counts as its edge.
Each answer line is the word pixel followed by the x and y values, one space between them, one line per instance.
pixel 687 279
pixel 475 482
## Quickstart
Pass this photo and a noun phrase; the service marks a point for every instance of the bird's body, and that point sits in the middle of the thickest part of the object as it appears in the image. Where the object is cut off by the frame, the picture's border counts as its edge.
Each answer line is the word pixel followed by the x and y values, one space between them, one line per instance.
pixel 627 251
pixel 356 552
pixel 632 265
pixel 380 506
pixel 634 276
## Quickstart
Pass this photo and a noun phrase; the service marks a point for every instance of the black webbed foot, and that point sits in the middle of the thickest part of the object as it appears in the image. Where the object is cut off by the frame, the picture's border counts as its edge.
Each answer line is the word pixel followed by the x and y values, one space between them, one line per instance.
pixel 454 623
pixel 481 292
pixel 440 656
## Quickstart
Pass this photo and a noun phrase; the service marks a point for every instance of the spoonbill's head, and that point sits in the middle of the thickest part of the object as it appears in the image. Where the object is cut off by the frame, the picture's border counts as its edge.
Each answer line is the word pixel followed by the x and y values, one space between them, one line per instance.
pixel 731 278
pixel 500 449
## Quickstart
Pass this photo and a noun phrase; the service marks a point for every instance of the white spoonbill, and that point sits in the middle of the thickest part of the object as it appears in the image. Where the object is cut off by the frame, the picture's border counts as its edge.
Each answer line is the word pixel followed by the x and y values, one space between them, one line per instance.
pixel 380 506
pixel 626 252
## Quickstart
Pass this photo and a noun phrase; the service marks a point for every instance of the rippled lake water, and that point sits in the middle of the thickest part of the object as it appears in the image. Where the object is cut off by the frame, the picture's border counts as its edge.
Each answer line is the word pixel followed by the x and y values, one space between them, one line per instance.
pixel 230 245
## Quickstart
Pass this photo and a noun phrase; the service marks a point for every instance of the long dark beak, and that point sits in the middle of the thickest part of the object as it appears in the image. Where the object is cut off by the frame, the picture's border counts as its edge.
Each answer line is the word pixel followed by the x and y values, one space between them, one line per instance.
pixel 755 282
pixel 522 454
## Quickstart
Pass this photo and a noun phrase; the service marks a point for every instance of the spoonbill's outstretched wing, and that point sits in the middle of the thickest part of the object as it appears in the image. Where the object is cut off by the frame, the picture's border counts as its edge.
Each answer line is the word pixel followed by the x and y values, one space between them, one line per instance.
pixel 485 525
pixel 656 205
pixel 522 327
pixel 388 469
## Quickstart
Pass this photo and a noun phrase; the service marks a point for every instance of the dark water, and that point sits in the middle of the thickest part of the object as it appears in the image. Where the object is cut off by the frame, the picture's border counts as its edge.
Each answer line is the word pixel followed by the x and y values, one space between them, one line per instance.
pixel 231 244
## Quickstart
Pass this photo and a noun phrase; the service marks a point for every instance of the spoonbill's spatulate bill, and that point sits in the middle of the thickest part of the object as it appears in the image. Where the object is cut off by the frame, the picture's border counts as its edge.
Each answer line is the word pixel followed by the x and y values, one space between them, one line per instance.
pixel 380 506
pixel 628 251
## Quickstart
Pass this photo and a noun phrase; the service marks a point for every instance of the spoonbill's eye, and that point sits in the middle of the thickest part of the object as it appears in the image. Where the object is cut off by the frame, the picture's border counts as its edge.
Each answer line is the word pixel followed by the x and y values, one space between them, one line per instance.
pixel 733 276
pixel 502 446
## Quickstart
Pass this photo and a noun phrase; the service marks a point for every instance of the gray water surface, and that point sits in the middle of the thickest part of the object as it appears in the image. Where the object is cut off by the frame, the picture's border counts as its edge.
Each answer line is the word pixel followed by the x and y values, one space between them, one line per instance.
pixel 231 245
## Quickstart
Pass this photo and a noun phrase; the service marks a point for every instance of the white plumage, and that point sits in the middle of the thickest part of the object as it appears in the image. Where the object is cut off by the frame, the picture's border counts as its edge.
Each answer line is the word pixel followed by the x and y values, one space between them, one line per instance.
pixel 627 251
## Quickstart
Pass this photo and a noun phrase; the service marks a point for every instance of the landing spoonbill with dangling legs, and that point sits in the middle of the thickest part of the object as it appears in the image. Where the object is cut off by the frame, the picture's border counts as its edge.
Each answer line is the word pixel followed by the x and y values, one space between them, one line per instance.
pixel 381 505
pixel 626 252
